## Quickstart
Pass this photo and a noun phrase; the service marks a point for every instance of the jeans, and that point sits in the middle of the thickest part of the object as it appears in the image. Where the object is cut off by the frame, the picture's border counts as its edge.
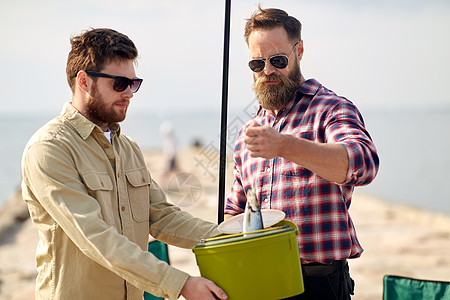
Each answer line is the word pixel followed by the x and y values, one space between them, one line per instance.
pixel 336 286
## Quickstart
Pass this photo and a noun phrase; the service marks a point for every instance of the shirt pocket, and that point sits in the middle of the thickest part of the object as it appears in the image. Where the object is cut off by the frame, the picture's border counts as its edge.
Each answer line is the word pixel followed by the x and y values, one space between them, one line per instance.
pixel 297 183
pixel 100 187
pixel 97 181
pixel 139 193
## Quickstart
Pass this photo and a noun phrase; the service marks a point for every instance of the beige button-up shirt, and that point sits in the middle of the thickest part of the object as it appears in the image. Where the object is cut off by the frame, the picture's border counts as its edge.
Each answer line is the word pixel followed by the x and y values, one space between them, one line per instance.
pixel 94 204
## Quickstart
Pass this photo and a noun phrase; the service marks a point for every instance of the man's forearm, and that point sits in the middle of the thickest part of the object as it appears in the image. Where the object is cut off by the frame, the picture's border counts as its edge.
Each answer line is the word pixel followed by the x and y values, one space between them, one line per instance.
pixel 329 161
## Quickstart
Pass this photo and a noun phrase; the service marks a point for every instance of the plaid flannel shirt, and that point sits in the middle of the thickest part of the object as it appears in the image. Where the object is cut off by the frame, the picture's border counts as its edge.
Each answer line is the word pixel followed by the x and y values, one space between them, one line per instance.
pixel 318 207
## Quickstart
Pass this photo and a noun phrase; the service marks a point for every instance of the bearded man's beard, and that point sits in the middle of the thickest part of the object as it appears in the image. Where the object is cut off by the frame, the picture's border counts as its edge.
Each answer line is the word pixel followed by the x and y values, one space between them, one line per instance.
pixel 275 97
pixel 99 112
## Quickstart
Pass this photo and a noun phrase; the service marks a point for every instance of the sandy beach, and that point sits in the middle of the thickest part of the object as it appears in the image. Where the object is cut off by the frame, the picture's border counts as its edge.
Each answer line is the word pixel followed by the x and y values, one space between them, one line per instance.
pixel 398 239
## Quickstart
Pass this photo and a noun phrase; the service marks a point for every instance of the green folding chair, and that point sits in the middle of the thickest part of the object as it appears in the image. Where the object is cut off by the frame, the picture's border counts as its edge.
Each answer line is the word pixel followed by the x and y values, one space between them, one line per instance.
pixel 404 288
pixel 161 251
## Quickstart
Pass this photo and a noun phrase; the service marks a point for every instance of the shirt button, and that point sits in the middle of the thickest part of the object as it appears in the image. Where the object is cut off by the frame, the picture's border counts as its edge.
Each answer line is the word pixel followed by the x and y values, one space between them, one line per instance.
pixel 268 169
pixel 143 180
pixel 123 208
pixel 106 146
pixel 266 200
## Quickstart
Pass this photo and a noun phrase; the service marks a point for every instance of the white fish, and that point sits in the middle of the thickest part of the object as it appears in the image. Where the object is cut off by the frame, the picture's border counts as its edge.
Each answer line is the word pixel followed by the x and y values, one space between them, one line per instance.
pixel 252 214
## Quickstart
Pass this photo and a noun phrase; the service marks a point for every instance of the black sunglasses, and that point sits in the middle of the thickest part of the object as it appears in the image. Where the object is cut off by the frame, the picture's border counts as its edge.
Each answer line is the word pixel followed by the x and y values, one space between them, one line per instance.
pixel 279 61
pixel 120 83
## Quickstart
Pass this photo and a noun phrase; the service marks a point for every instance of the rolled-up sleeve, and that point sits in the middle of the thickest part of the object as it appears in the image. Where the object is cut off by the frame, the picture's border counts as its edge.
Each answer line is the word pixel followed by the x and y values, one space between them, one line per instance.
pixel 345 126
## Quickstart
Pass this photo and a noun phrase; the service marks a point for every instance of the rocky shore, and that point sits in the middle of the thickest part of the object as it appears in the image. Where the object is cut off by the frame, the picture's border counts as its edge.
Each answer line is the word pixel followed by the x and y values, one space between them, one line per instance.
pixel 398 239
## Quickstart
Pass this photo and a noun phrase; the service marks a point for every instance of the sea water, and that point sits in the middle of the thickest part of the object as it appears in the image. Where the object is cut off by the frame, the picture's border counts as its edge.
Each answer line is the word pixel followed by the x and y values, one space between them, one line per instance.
pixel 413 146
pixel 414 150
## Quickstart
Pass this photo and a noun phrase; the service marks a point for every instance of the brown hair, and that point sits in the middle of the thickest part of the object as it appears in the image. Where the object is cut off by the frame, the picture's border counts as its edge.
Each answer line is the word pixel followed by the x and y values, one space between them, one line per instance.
pixel 92 49
pixel 270 18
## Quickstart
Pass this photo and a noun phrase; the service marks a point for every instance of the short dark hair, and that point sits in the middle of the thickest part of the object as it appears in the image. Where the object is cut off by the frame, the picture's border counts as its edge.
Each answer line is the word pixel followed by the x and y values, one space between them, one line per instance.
pixel 270 18
pixel 94 48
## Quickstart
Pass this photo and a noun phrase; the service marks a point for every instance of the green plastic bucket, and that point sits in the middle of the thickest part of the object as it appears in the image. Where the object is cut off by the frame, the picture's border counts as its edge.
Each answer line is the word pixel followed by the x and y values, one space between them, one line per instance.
pixel 261 265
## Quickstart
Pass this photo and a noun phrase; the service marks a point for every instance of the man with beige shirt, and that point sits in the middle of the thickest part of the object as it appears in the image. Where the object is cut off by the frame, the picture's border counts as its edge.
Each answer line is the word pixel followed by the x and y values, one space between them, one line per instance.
pixel 91 196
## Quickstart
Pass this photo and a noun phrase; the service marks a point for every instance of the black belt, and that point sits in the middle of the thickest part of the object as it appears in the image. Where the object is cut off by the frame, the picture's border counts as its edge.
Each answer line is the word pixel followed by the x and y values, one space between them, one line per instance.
pixel 318 269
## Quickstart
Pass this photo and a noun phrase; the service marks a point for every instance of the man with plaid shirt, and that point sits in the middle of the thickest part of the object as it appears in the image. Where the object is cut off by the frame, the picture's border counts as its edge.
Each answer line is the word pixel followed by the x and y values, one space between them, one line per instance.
pixel 302 153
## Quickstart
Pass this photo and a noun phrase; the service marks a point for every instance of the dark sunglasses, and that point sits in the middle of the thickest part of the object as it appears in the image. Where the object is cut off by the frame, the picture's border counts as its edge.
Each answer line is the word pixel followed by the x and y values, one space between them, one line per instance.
pixel 279 61
pixel 120 83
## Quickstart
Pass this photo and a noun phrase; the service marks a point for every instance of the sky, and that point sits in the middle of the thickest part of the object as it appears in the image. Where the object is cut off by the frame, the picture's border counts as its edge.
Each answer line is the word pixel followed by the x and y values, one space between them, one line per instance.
pixel 381 55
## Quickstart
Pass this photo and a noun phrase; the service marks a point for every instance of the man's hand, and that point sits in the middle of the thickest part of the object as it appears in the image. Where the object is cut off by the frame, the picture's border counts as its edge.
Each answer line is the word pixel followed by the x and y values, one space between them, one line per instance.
pixel 263 141
pixel 202 289
pixel 329 161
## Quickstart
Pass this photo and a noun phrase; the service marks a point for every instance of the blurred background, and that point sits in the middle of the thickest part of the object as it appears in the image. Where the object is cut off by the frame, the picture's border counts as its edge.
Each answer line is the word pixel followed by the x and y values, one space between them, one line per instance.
pixel 391 58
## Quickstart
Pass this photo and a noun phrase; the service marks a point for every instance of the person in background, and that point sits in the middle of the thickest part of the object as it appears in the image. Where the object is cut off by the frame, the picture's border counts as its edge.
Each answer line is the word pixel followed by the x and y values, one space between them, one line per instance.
pixel 91 196
pixel 303 153
pixel 169 146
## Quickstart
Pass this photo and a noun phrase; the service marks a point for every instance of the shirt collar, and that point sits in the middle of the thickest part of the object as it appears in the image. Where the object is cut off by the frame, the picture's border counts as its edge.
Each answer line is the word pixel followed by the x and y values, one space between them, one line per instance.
pixel 83 126
pixel 309 87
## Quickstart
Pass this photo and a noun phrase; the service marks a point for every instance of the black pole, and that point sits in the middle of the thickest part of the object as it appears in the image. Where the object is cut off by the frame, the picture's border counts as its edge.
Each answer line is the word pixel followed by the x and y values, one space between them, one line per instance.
pixel 223 122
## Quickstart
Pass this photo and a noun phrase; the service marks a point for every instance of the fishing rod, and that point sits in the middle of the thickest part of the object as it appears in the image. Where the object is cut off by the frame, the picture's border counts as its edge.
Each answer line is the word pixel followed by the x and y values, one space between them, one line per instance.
pixel 223 122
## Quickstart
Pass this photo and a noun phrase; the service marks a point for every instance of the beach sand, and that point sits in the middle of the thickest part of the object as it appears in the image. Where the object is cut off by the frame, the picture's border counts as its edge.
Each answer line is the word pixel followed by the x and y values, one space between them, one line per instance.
pixel 398 239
